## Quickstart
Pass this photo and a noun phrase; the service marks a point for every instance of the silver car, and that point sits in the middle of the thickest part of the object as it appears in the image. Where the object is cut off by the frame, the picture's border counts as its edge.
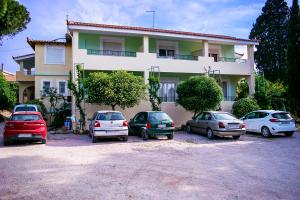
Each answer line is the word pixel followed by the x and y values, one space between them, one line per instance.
pixel 217 123
pixel 108 124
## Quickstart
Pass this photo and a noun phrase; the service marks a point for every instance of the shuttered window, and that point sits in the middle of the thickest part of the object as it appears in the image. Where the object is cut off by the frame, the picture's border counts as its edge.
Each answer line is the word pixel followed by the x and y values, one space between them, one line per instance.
pixel 54 55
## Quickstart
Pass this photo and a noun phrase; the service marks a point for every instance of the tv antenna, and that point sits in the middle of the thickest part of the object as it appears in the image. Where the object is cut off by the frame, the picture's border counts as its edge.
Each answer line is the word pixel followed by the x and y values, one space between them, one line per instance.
pixel 153 16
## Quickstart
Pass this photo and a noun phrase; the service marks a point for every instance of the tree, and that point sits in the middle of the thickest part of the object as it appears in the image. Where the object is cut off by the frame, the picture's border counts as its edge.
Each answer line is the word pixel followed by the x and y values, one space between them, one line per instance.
pixel 13 18
pixel 199 93
pixel 119 88
pixel 270 29
pixel 293 57
pixel 8 96
pixel 77 89
pixel 242 89
pixel 244 106
pixel 154 85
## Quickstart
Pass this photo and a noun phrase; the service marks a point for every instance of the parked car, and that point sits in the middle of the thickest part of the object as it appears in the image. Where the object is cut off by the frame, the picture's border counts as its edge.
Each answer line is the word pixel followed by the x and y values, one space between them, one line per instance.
pixel 26 107
pixel 108 124
pixel 152 124
pixel 217 123
pixel 270 122
pixel 29 126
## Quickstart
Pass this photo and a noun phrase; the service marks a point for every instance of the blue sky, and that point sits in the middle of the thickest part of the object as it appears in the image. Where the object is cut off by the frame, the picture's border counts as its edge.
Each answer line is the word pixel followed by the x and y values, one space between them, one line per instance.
pixel 48 18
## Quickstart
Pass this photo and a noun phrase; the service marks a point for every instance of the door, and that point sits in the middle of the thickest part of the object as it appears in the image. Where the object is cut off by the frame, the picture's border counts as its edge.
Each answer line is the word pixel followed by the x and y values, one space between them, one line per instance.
pixel 138 122
pixel 195 124
pixel 249 120
pixel 205 122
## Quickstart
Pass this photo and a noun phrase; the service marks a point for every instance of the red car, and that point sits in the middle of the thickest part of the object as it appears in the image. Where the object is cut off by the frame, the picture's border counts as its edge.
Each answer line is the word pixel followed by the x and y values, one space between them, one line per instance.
pixel 29 126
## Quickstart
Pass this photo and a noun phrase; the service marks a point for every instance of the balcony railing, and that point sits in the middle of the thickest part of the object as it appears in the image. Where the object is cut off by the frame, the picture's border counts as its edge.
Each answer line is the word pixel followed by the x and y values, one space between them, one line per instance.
pixel 28 72
pixel 180 57
pixel 238 60
pixel 111 53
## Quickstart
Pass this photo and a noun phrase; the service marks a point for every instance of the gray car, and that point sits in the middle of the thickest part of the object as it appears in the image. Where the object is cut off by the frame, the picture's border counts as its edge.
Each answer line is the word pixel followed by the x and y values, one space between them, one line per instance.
pixel 217 123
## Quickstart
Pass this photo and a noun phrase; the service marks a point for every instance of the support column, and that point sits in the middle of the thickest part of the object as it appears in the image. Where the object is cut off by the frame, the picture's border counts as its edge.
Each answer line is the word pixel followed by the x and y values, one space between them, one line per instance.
pixel 73 68
pixel 205 48
pixel 251 79
pixel 146 44
pixel 146 76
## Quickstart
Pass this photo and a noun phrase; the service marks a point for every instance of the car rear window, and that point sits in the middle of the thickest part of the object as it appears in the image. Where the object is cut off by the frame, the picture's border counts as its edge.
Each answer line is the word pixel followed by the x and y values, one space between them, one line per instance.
pixel 281 115
pixel 158 116
pixel 25 108
pixel 110 116
pixel 224 116
pixel 25 117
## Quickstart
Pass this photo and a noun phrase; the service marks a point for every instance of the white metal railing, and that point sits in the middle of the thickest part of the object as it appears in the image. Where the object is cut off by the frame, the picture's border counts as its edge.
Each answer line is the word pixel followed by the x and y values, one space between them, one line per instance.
pixel 28 72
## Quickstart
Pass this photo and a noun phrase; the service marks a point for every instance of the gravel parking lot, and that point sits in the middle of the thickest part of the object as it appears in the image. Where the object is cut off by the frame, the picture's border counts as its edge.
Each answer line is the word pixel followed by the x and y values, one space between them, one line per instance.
pixel 188 167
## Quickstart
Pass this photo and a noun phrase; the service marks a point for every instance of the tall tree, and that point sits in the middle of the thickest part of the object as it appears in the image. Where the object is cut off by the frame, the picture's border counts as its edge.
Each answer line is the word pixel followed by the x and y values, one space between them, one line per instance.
pixel 293 57
pixel 13 18
pixel 270 29
pixel 7 95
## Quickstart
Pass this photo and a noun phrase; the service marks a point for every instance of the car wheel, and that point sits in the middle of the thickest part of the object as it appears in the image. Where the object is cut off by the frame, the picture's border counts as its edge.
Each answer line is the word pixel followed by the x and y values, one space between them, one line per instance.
pixel 6 142
pixel 125 138
pixel 265 132
pixel 210 134
pixel 289 134
pixel 236 137
pixel 44 141
pixel 188 129
pixel 145 135
pixel 94 139
pixel 170 136
pixel 90 135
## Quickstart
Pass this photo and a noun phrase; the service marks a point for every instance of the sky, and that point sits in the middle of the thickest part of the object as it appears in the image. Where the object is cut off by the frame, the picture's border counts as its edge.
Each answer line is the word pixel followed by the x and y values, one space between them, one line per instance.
pixel 48 19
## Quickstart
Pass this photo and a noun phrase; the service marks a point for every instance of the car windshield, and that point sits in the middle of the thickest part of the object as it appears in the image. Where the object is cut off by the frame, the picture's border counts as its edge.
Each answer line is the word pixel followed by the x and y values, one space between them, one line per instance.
pixel 158 116
pixel 223 116
pixel 25 117
pixel 25 108
pixel 281 115
pixel 110 116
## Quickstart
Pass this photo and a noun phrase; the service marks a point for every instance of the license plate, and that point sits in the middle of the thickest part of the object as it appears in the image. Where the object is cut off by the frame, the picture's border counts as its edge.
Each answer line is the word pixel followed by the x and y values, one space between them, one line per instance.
pixel 285 122
pixel 161 126
pixel 233 126
pixel 24 135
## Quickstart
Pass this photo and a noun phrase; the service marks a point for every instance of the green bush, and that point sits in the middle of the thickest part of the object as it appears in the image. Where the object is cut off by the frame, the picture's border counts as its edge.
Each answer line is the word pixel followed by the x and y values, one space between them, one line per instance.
pixel 242 89
pixel 244 106
pixel 199 93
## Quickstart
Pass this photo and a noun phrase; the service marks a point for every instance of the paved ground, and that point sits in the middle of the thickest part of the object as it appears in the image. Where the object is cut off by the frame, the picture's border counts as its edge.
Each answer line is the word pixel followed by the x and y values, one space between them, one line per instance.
pixel 189 167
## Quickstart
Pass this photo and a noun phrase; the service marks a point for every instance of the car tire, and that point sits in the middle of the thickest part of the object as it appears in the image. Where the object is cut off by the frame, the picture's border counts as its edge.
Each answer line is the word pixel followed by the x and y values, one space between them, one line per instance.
pixel 44 141
pixel 265 132
pixel 210 134
pixel 125 138
pixel 170 136
pixel 6 142
pixel 236 137
pixel 145 135
pixel 94 139
pixel 90 135
pixel 288 134
pixel 188 129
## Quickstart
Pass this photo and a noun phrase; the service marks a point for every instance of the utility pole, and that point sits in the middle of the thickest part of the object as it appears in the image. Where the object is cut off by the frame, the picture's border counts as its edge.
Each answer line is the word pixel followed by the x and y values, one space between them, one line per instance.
pixel 153 16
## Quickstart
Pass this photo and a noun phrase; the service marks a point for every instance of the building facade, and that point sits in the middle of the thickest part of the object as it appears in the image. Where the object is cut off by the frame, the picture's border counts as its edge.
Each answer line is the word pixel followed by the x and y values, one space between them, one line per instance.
pixel 175 55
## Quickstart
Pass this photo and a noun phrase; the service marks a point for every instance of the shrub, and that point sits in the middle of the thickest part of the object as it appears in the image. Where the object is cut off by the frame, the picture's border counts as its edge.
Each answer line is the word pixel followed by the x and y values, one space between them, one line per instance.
pixel 244 106
pixel 199 93
pixel 242 89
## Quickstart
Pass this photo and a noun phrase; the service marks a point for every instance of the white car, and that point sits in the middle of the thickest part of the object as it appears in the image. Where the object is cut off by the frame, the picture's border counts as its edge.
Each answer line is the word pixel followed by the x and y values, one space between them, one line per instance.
pixel 26 107
pixel 108 124
pixel 270 122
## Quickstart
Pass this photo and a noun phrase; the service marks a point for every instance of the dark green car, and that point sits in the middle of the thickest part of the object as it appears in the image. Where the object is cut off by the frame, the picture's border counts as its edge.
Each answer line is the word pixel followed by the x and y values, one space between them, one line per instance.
pixel 151 124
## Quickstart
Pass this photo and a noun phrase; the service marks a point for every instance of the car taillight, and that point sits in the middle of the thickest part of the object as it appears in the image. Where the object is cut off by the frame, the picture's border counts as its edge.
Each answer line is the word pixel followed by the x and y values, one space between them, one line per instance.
pixel 274 120
pixel 221 125
pixel 148 125
pixel 243 125
pixel 173 124
pixel 97 124
pixel 125 123
pixel 42 124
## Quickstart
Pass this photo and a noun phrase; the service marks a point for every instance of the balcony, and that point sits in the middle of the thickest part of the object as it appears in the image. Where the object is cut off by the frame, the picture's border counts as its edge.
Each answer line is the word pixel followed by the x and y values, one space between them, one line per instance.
pixel 179 57
pixel 25 75
pixel 111 53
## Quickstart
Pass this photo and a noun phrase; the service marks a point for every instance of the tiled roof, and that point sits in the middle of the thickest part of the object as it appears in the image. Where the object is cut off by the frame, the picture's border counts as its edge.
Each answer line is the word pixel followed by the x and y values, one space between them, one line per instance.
pixel 9 76
pixel 158 31
pixel 32 43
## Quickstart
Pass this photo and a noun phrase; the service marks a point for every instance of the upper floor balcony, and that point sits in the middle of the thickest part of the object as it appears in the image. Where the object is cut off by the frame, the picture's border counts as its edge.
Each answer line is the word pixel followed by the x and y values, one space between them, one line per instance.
pixel 136 53
pixel 25 75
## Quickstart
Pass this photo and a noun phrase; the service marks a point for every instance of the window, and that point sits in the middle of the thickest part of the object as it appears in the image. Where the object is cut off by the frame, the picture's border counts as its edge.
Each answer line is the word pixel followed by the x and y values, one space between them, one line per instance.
pixel 141 118
pixel 199 117
pixel 54 55
pixel 214 55
pixel 206 116
pixel 110 116
pixel 25 117
pixel 62 88
pixel 282 115
pixel 112 45
pixel 251 115
pixel 45 87
pixel 167 48
pixel 224 116
pixel 158 116
pixel 167 91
